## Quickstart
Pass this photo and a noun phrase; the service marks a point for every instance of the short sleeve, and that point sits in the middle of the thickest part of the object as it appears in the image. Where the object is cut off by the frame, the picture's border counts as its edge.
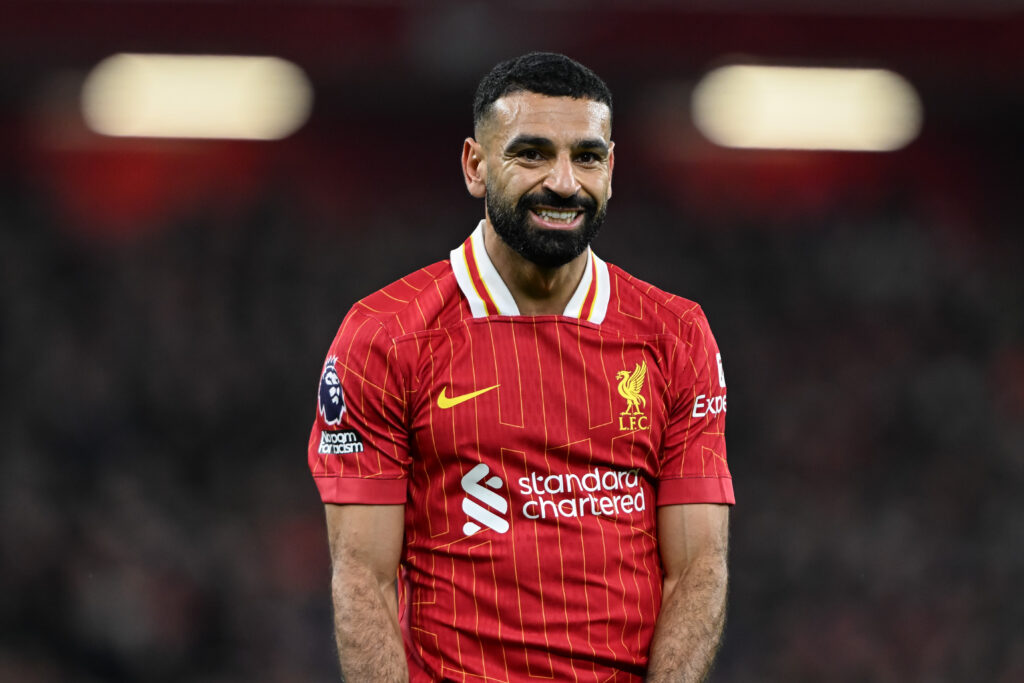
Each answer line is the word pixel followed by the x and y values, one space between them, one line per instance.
pixel 694 467
pixel 359 447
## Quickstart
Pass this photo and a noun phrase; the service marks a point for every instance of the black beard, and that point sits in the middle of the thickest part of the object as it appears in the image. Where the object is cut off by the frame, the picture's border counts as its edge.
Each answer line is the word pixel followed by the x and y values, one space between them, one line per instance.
pixel 546 248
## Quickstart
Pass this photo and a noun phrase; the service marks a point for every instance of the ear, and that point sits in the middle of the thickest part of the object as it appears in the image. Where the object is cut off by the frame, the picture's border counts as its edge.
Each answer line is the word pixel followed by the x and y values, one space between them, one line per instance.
pixel 474 167
pixel 611 167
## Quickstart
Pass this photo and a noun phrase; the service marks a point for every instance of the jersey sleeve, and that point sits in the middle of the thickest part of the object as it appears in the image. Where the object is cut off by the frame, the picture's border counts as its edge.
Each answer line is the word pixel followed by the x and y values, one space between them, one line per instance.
pixel 359 446
pixel 694 467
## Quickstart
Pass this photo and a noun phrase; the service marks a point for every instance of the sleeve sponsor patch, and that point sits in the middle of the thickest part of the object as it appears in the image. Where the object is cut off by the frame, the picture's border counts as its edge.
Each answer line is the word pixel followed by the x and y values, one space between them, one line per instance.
pixel 340 443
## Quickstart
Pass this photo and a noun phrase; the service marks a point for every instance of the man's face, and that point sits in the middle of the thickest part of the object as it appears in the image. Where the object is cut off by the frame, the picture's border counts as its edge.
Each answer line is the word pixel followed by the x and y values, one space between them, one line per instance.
pixel 548 174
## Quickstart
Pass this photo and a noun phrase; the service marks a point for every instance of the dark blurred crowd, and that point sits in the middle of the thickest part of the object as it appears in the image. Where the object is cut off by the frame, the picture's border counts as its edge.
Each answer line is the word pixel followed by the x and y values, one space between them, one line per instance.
pixel 159 523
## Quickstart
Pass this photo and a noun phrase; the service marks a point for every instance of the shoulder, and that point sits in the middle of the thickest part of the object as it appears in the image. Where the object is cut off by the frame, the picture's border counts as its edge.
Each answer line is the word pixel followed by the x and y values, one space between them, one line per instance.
pixel 421 300
pixel 677 325
pixel 645 309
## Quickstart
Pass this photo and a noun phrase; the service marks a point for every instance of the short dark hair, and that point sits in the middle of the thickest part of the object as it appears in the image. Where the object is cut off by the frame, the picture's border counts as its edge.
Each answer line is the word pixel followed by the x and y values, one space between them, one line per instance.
pixel 544 73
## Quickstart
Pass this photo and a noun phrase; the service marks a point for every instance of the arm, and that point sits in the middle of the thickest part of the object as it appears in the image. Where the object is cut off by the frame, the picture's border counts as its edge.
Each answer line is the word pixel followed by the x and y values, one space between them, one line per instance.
pixel 693 540
pixel 366 544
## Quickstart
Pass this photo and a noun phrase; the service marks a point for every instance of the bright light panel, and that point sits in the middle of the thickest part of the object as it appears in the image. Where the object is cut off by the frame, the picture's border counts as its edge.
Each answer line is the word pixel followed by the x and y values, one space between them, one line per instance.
pixel 196 96
pixel 773 107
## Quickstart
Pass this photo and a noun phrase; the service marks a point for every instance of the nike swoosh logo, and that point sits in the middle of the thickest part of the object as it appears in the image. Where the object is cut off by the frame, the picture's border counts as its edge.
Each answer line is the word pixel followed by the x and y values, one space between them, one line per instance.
pixel 444 402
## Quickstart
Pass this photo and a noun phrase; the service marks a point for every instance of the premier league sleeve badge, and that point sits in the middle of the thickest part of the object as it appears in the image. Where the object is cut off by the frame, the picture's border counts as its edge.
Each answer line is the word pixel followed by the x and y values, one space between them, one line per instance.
pixel 331 402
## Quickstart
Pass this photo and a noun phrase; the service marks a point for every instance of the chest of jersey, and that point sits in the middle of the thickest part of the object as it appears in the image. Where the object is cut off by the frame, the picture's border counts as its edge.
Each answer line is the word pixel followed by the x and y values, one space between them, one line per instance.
pixel 532 419
pixel 535 447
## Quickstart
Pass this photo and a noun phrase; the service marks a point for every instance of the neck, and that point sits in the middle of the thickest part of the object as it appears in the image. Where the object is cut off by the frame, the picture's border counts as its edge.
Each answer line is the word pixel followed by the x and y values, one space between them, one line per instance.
pixel 536 290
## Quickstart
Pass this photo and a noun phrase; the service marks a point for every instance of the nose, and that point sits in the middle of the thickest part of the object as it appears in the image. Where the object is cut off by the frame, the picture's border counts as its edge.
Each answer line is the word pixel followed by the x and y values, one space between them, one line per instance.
pixel 562 177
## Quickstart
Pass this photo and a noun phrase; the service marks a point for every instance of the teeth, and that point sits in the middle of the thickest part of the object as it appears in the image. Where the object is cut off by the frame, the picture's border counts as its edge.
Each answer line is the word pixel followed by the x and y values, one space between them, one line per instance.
pixel 559 216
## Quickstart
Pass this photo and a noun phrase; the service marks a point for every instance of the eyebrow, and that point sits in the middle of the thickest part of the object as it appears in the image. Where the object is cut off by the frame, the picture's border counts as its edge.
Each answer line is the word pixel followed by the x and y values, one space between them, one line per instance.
pixel 528 141
pixel 538 141
pixel 592 143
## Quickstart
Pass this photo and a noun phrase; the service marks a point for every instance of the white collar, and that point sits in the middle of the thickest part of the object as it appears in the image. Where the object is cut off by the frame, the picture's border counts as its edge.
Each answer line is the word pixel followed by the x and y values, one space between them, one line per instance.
pixel 488 294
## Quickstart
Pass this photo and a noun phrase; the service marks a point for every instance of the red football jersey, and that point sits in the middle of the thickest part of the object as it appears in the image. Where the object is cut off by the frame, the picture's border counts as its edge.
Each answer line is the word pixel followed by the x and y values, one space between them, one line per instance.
pixel 531 453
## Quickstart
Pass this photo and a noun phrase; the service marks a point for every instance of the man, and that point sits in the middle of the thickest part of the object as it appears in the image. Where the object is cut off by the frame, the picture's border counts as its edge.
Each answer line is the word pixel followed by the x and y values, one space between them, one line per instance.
pixel 525 477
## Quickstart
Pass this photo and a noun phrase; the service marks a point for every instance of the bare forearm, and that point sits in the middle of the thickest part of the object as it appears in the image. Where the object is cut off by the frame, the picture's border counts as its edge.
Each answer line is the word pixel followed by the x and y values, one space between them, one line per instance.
pixel 366 630
pixel 689 627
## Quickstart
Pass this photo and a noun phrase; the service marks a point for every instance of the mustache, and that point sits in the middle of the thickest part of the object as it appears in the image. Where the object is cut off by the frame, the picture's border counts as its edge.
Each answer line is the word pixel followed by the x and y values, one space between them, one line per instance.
pixel 547 197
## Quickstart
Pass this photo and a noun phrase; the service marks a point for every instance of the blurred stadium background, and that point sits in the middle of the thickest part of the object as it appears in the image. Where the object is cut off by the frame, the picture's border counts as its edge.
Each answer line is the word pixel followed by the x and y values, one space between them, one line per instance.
pixel 165 305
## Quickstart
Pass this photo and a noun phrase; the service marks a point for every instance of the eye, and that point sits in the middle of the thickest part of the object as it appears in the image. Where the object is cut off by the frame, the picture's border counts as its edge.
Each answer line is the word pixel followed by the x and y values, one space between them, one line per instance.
pixel 588 158
pixel 530 155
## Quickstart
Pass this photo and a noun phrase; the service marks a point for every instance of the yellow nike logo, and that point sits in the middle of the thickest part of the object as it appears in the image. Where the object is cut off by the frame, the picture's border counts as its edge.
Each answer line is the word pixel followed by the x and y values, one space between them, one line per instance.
pixel 444 402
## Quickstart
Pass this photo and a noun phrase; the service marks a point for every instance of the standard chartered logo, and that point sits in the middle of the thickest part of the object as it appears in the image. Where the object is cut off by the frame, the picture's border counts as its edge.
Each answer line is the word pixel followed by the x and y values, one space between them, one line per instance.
pixel 476 493
pixel 598 492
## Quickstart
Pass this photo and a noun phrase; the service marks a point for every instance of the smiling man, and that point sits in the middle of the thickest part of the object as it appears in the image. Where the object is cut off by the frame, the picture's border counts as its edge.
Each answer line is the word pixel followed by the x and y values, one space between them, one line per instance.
pixel 522 479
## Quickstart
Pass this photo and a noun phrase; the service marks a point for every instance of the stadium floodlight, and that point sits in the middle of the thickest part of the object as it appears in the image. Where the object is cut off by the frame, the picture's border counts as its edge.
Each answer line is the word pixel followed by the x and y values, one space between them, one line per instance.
pixel 776 107
pixel 196 96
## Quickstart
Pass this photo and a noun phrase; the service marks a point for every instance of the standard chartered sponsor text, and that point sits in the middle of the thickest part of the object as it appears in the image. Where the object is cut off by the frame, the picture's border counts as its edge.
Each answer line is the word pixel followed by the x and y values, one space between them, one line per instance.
pixel 597 492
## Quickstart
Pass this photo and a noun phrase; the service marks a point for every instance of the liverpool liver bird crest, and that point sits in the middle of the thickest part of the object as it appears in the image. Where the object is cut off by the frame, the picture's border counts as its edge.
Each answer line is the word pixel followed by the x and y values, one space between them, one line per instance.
pixel 630 386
